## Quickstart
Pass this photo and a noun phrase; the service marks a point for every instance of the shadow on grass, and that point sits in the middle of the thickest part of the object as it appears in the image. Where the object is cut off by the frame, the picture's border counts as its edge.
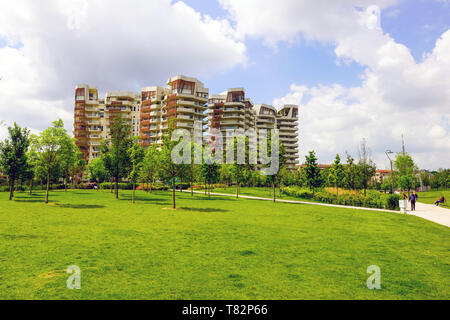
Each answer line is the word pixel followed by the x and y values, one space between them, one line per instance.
pixel 80 206
pixel 141 199
pixel 209 210
pixel 34 200
pixel 213 198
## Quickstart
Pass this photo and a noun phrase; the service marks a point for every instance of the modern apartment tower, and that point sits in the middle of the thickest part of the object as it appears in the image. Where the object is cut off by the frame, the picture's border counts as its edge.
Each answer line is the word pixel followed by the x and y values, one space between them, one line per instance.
pixel 287 124
pixel 231 111
pixel 125 103
pixel 182 102
pixel 87 126
pixel 153 100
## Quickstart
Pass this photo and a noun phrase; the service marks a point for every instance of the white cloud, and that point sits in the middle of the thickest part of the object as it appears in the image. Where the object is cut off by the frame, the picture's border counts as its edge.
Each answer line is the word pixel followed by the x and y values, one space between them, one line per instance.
pixel 397 95
pixel 54 45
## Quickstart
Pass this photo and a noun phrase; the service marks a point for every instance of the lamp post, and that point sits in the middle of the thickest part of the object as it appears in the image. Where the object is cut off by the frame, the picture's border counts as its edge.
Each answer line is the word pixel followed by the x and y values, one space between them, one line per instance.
pixel 388 152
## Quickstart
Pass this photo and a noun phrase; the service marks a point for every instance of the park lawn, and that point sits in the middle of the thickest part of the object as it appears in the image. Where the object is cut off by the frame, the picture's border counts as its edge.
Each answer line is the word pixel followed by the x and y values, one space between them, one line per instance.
pixel 218 248
pixel 431 196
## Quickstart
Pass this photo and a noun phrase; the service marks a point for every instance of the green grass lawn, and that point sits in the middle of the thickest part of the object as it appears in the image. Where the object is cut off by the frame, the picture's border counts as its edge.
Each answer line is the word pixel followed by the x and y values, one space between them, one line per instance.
pixel 218 248
pixel 431 196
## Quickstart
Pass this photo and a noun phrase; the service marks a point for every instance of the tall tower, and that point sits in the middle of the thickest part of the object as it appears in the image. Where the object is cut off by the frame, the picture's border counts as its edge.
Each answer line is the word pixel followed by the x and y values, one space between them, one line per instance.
pixel 87 126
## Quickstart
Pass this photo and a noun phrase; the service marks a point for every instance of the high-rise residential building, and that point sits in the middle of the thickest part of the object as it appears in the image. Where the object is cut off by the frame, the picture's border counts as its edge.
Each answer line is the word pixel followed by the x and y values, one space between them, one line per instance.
pixel 231 112
pixel 153 100
pixel 287 124
pixel 184 101
pixel 87 126
pixel 185 104
pixel 126 103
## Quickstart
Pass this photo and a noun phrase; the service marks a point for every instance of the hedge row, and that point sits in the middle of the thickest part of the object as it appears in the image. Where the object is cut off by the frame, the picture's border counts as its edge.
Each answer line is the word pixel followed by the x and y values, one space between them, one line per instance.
pixel 372 200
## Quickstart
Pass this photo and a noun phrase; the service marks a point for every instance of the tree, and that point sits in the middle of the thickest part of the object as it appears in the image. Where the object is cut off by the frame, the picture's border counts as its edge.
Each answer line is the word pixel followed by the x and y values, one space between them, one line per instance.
pixel 425 178
pixel 33 161
pixel 280 153
pixel 97 171
pixel 77 167
pixel 435 183
pixel 337 173
pixel 209 171
pixel 366 168
pixel 406 170
pixel 225 174
pixel 69 156
pixel 168 170
pixel 312 172
pixel 13 157
pixel 350 173
pixel 50 148
pixel 136 154
pixel 150 165
pixel 115 155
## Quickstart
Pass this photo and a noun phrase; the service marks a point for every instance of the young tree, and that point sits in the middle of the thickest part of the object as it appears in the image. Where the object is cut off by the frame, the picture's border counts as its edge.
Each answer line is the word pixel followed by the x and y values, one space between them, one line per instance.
pixel 225 174
pixel 13 155
pixel 115 155
pixel 69 158
pixel 77 167
pixel 337 173
pixel 33 161
pixel 350 173
pixel 312 172
pixel 277 149
pixel 366 167
pixel 136 154
pixel 209 171
pixel 150 165
pixel 97 171
pixel 168 170
pixel 406 170
pixel 50 147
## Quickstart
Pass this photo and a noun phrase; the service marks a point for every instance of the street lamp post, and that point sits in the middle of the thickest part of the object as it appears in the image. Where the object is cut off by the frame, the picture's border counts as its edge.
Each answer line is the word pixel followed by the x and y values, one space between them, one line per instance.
pixel 388 152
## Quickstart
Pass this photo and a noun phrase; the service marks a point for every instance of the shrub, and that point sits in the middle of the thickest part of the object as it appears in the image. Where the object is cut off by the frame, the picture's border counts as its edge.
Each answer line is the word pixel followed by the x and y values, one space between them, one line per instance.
pixel 155 186
pixel 391 201
pixel 373 199
pixel 121 186
pixel 296 191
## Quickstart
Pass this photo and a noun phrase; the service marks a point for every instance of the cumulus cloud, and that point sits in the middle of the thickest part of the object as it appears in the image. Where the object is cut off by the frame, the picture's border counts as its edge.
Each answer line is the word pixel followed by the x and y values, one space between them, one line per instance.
pixel 53 45
pixel 397 95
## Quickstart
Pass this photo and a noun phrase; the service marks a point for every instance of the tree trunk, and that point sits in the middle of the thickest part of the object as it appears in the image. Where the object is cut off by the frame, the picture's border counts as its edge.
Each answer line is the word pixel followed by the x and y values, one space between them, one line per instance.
pixel 192 188
pixel 116 187
pixel 11 188
pixel 273 189
pixel 134 191
pixel 48 187
pixel 151 186
pixel 31 186
pixel 206 188
pixel 173 193
pixel 237 189
pixel 65 184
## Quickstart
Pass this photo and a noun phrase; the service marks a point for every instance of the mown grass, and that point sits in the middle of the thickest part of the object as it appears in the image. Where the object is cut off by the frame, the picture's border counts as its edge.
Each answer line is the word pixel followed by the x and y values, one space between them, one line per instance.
pixel 431 196
pixel 218 248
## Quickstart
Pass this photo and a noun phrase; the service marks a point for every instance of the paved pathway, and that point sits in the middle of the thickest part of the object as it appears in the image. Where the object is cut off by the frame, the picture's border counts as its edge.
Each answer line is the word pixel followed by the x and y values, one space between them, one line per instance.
pixel 426 211
pixel 432 213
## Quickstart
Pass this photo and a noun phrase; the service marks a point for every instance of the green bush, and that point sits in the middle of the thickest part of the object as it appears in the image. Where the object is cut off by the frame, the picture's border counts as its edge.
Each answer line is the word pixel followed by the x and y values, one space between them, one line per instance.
pixel 373 199
pixel 298 192
pixel 121 186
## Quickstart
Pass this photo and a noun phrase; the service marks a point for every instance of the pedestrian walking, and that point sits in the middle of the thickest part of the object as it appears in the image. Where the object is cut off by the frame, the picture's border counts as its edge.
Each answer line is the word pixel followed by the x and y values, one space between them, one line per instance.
pixel 412 200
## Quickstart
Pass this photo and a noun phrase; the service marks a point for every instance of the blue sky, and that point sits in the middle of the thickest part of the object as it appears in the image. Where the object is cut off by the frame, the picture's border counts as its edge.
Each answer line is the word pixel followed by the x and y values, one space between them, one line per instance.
pixel 415 23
